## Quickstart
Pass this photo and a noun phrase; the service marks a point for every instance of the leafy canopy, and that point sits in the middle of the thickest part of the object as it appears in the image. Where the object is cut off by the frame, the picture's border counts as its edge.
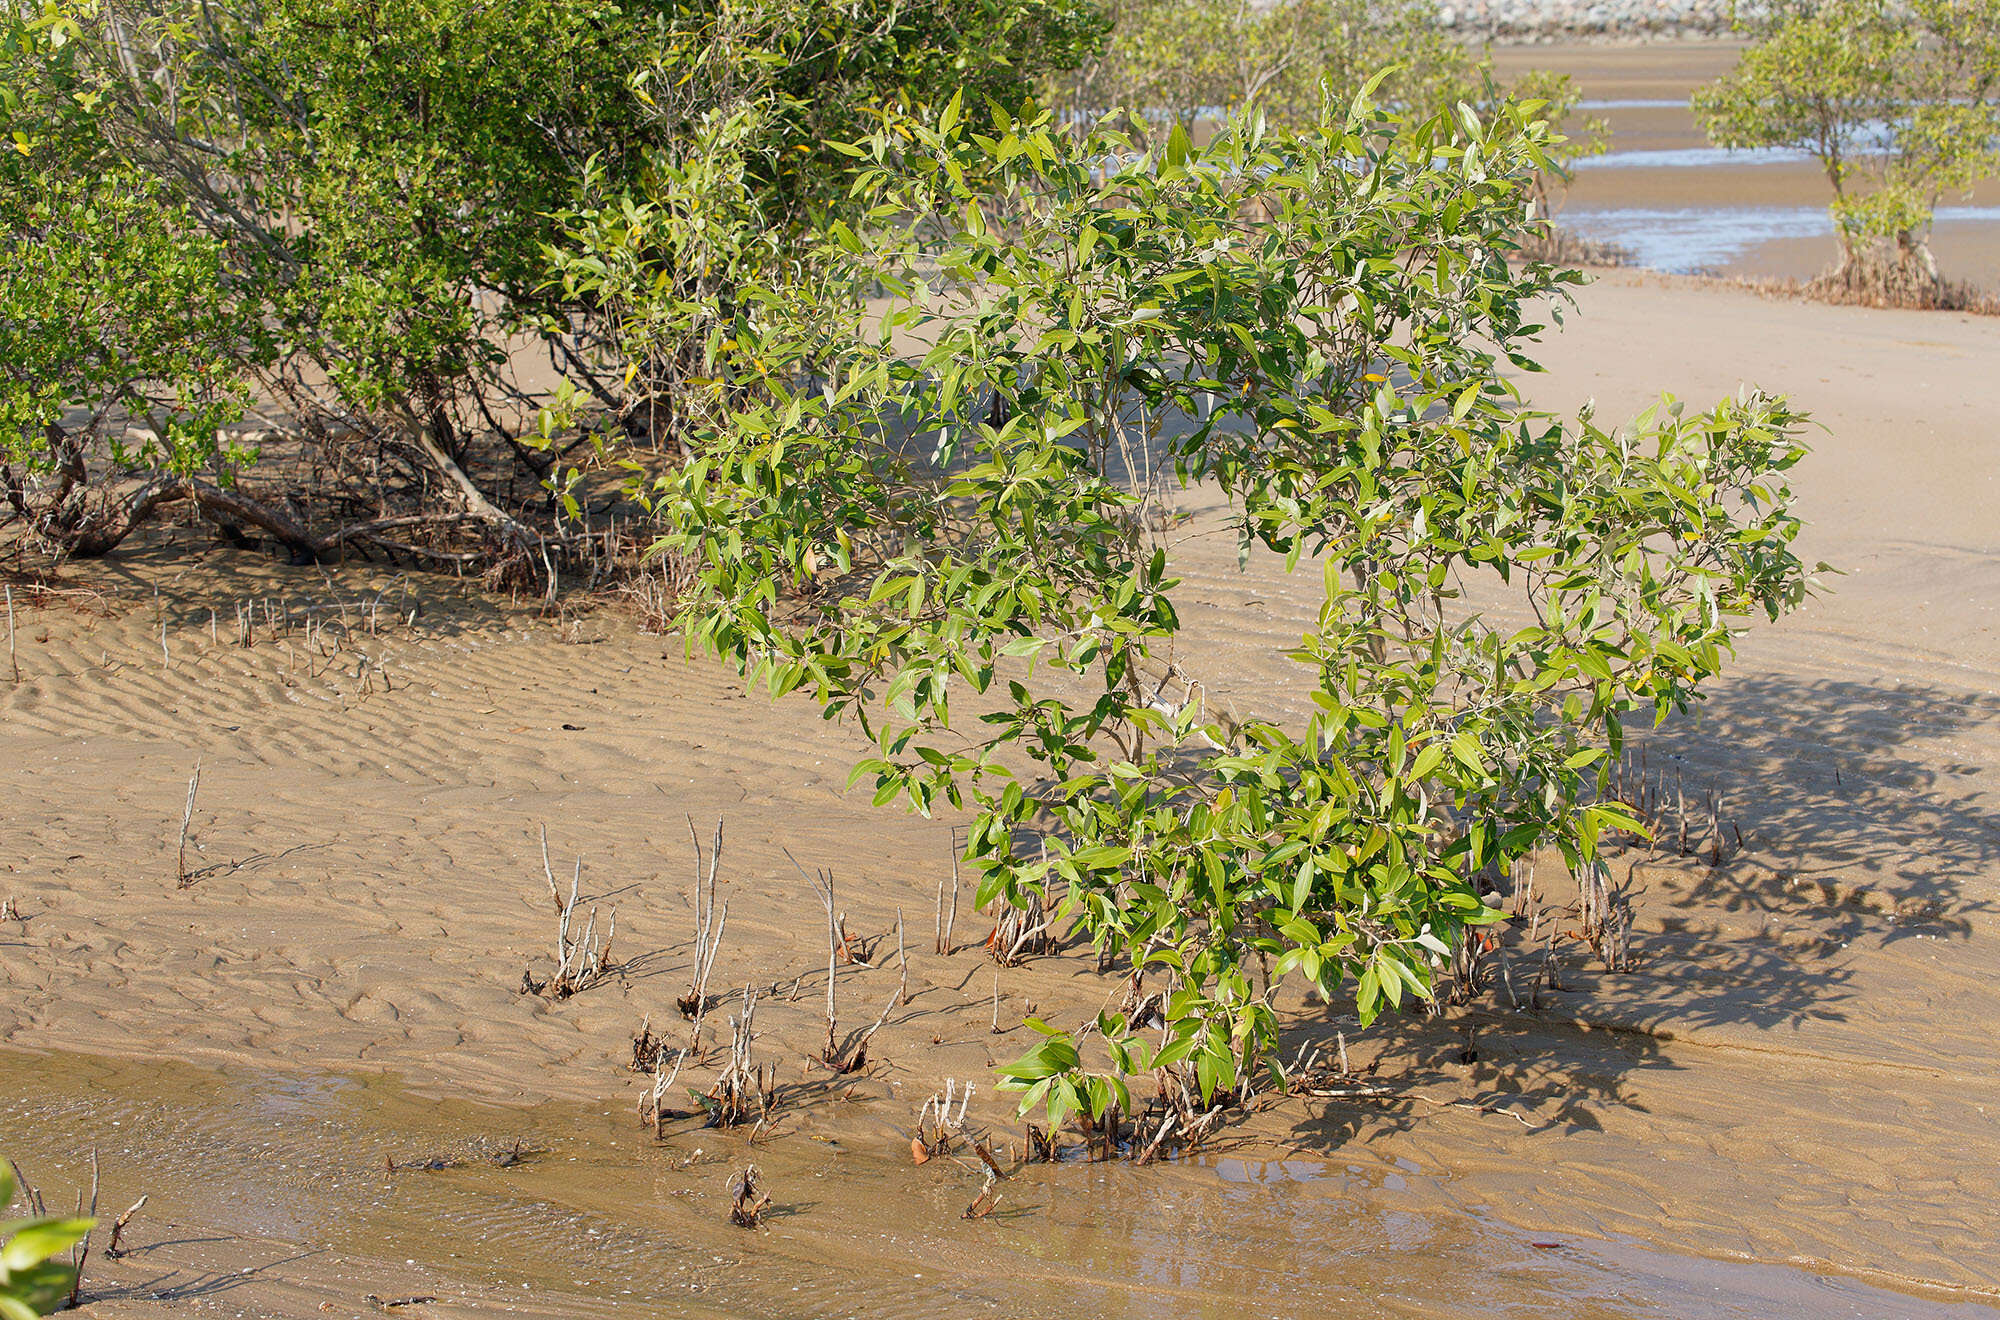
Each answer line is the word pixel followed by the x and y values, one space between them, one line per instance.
pixel 947 515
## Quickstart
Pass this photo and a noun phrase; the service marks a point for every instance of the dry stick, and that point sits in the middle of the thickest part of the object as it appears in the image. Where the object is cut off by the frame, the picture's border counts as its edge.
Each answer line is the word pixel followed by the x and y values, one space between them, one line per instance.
pixel 548 873
pixel 902 958
pixel 708 927
pixel 187 816
pixel 118 1225
pixel 81 1252
pixel 11 660
pixel 951 920
pixel 823 886
pixel 996 1003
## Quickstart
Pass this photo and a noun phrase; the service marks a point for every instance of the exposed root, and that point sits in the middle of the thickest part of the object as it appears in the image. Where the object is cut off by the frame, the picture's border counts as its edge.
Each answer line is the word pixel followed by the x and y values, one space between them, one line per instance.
pixel 1605 915
pixel 937 1126
pixel 743 1089
pixel 1560 246
pixel 114 1249
pixel 582 960
pixel 989 1196
pixel 852 1056
pixel 941 932
pixel 1021 932
pixel 182 877
pixel 709 921
pixel 653 1111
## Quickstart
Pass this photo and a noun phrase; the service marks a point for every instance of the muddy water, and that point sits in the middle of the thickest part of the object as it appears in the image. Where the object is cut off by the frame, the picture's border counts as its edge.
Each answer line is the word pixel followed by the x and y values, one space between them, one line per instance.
pixel 271 1194
pixel 1681 205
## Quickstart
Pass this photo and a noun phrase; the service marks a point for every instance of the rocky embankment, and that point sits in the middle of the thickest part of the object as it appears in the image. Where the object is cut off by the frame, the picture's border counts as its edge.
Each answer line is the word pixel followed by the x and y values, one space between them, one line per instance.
pixel 1554 20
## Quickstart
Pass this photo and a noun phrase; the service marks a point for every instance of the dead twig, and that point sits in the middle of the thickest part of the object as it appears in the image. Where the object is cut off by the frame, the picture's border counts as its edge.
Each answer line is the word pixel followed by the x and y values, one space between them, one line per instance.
pixel 118 1227
pixel 182 878
pixel 902 961
pixel 708 926
pixel 582 960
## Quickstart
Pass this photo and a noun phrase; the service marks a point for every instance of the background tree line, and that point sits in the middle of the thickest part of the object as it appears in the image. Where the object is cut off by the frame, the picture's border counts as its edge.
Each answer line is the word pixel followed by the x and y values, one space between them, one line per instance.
pixel 320 268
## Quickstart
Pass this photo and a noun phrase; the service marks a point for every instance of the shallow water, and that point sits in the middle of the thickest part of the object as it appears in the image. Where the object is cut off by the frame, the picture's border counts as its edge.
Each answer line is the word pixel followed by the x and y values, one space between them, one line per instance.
pixel 274 1174
pixel 1692 239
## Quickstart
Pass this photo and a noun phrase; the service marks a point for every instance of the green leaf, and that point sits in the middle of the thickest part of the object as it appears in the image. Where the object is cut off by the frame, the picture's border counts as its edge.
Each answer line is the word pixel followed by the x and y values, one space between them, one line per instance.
pixel 41 1239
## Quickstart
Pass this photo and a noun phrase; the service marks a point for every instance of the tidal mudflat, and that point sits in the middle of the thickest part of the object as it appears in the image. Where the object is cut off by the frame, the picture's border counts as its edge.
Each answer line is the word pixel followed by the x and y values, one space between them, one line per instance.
pixel 316 1056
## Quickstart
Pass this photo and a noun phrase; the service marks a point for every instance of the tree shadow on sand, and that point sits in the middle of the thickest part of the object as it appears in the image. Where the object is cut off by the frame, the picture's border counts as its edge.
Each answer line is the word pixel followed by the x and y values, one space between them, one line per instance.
pixel 1830 784
pixel 1862 825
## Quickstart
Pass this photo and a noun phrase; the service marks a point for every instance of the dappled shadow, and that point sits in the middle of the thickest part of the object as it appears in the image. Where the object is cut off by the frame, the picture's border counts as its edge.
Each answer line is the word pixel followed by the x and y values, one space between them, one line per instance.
pixel 350 598
pixel 1861 825
pixel 1532 1074
pixel 1829 785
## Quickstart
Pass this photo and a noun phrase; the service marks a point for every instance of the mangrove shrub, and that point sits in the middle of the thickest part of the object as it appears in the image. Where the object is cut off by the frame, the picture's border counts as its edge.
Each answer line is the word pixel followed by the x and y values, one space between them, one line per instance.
pixel 950 513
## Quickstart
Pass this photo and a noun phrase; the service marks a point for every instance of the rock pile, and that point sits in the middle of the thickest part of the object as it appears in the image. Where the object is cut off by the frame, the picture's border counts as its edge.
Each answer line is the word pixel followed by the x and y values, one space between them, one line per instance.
pixel 1552 20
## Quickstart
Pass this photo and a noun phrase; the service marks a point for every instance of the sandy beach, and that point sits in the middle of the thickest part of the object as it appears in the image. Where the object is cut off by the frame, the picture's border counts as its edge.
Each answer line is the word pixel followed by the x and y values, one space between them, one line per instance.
pixel 1797 1080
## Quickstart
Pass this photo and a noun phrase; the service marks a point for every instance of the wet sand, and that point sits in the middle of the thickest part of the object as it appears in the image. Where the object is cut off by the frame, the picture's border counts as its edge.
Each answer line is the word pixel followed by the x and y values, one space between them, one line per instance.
pixel 271 1195
pixel 1789 1108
